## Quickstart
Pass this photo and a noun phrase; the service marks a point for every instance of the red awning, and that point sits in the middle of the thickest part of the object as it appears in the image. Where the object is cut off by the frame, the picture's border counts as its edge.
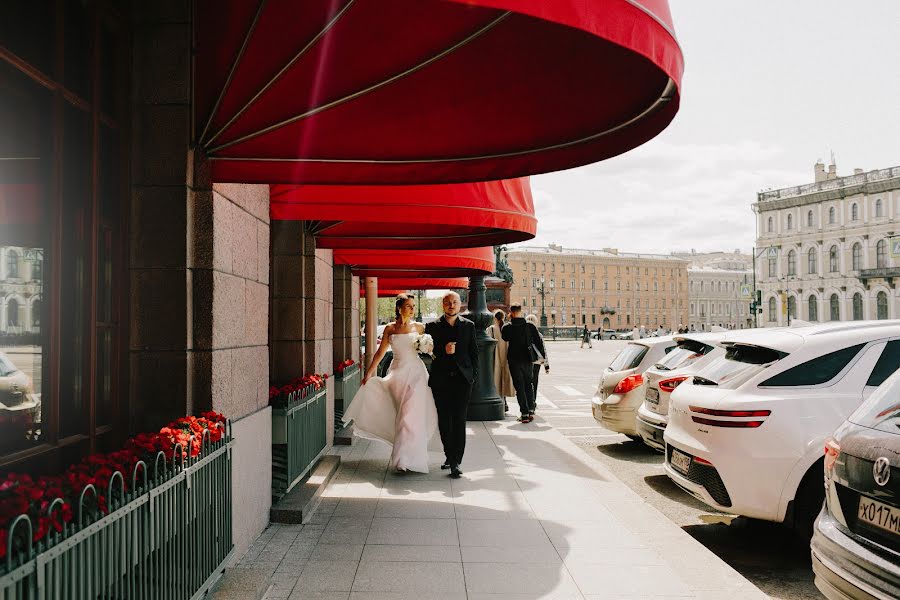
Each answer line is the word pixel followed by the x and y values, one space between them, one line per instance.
pixel 424 283
pixel 459 262
pixel 382 293
pixel 412 216
pixel 428 91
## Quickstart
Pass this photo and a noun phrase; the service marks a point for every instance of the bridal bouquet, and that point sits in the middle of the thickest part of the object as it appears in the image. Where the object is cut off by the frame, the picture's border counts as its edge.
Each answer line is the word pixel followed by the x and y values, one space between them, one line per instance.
pixel 424 344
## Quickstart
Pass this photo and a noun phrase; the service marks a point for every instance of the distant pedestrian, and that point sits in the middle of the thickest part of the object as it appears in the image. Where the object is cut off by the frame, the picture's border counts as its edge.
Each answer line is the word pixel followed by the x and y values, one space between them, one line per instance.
pixel 643 332
pixel 536 369
pixel 522 336
pixel 635 333
pixel 502 378
pixel 660 331
pixel 586 338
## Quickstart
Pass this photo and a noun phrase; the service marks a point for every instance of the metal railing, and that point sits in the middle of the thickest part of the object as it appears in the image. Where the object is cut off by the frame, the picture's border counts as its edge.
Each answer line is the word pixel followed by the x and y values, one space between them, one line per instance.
pixel 346 385
pixel 167 535
pixel 298 436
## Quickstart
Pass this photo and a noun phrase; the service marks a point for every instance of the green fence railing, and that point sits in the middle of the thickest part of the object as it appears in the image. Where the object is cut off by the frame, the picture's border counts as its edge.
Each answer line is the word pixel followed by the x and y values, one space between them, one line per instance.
pixel 299 422
pixel 167 535
pixel 346 385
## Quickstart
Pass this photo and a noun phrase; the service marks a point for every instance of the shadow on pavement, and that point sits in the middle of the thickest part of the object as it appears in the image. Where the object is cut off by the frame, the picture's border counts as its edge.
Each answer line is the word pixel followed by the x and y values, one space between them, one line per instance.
pixel 663 485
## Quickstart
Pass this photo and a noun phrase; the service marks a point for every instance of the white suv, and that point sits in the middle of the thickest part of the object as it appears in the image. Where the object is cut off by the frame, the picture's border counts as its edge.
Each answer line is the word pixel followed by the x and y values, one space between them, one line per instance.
pixel 746 432
pixel 694 350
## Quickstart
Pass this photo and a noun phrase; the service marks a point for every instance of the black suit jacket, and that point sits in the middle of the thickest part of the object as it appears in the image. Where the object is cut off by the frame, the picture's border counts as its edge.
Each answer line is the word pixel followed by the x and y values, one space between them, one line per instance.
pixel 466 356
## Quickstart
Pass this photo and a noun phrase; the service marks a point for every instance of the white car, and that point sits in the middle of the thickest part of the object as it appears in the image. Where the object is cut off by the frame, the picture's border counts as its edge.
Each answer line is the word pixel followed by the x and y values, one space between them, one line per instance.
pixel 746 432
pixel 621 389
pixel 18 401
pixel 694 350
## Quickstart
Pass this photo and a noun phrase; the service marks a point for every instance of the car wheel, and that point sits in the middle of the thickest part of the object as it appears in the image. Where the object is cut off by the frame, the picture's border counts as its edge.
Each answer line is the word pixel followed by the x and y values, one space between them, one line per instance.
pixel 612 337
pixel 808 500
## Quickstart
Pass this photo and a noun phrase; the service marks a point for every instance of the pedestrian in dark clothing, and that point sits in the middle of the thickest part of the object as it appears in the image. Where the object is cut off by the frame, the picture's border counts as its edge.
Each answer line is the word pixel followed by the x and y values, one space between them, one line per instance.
pixel 586 338
pixel 521 335
pixel 536 369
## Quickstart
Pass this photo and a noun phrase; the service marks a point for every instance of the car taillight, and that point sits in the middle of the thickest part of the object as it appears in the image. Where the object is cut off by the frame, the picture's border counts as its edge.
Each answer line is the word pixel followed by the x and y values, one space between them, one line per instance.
pixel 742 414
pixel 628 384
pixel 832 452
pixel 669 385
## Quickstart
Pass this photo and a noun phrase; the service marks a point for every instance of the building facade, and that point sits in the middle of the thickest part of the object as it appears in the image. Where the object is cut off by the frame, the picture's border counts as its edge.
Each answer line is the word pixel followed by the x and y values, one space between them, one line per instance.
pixel 21 278
pixel 719 297
pixel 600 288
pixel 830 250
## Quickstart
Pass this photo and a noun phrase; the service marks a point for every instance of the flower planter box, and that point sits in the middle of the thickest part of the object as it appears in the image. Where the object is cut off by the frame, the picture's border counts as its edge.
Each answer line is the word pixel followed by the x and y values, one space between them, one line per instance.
pixel 298 436
pixel 346 384
pixel 166 535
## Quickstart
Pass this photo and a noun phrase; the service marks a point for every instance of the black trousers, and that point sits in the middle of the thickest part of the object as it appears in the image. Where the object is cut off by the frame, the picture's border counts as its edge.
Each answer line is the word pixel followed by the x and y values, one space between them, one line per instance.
pixel 535 375
pixel 521 373
pixel 451 397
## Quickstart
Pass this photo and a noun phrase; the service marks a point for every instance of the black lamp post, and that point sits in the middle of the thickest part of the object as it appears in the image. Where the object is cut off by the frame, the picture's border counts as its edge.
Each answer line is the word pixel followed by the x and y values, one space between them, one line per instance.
pixel 542 291
pixel 419 305
pixel 484 404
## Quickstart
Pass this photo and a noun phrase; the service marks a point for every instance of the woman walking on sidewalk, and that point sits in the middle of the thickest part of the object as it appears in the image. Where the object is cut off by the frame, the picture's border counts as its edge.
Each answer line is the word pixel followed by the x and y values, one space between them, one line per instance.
pixel 586 338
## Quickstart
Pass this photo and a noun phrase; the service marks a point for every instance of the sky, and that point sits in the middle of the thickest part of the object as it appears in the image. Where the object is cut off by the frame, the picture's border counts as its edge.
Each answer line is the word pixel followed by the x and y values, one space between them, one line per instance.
pixel 770 87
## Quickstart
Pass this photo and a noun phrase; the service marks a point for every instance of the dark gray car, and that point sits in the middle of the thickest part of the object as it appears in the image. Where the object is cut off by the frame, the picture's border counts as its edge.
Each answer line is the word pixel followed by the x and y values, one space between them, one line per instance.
pixel 856 539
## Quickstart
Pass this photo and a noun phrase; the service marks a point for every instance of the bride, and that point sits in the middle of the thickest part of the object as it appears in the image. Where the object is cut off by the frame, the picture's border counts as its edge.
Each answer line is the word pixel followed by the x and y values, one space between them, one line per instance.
pixel 398 409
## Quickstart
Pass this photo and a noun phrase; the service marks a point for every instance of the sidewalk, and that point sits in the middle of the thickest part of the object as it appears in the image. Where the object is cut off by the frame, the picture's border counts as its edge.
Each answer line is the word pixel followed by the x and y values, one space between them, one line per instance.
pixel 532 517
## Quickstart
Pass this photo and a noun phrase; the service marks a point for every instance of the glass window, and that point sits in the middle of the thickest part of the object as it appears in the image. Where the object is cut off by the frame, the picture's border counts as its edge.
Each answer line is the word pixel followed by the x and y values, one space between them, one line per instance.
pixel 882 304
pixel 738 365
pixel 816 371
pixel 792 263
pixel 854 212
pixel 881 254
pixel 790 221
pixel 770 226
pixel 881 410
pixel 773 313
pixel 833 259
pixel 879 208
pixel 12 313
pixel 834 306
pixel 857 256
pixel 792 307
pixel 811 261
pixel 628 358
pixel 12 264
pixel 809 219
pixel 813 309
pixel 888 362
pixel 773 266
pixel 857 307
pixel 832 215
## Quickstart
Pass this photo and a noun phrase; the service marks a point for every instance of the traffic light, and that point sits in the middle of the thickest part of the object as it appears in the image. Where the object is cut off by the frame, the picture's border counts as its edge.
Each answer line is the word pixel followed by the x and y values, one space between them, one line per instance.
pixel 759 297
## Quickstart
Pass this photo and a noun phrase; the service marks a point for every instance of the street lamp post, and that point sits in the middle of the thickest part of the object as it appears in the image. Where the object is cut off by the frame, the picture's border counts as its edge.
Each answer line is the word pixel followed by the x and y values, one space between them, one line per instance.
pixel 485 404
pixel 542 291
pixel 419 305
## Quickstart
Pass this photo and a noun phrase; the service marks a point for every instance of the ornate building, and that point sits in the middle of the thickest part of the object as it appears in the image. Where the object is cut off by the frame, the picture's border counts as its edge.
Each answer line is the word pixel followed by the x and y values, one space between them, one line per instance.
pixel 720 297
pixel 600 288
pixel 21 276
pixel 829 250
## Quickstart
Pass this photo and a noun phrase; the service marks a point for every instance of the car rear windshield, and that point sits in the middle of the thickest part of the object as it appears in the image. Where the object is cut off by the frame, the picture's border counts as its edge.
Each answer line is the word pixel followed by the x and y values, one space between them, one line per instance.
pixel 740 363
pixel 630 357
pixel 682 354
pixel 882 409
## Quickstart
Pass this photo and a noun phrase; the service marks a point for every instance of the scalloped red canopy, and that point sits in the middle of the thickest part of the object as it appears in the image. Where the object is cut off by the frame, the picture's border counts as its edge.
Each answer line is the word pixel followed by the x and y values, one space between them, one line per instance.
pixel 427 91
pixel 455 262
pixel 412 216
pixel 394 286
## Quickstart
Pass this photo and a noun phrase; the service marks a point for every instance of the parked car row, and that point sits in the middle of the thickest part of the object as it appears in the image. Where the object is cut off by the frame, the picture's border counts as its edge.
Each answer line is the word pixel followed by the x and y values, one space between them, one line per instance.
pixel 743 418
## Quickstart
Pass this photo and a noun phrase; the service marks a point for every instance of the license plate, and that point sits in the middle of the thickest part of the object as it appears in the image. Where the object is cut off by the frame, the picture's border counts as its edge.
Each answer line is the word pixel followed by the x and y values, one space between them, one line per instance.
pixel 879 514
pixel 680 461
pixel 652 395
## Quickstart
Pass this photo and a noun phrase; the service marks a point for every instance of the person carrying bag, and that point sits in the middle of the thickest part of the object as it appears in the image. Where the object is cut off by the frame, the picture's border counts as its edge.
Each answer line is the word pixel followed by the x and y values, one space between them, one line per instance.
pixel 525 348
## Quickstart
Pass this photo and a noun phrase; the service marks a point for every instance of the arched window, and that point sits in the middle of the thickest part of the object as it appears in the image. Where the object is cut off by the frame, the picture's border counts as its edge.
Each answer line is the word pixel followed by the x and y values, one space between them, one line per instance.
pixel 12 264
pixel 37 270
pixel 833 259
pixel 857 256
pixel 790 221
pixel 881 254
pixel 882 304
pixel 834 307
pixel 792 263
pixel 36 313
pixel 12 312
pixel 770 226
pixel 854 212
pixel 832 215
pixel 857 307
pixel 879 208
pixel 809 219
pixel 792 307
pixel 772 312
pixel 811 260
pixel 813 309
pixel 773 266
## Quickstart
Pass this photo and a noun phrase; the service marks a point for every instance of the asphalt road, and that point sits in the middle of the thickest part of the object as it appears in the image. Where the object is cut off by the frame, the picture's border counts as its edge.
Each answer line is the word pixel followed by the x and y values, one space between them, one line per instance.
pixel 769 555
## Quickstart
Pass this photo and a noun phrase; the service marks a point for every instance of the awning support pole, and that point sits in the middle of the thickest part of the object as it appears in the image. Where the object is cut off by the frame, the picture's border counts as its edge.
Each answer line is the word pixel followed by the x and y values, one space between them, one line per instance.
pixel 371 319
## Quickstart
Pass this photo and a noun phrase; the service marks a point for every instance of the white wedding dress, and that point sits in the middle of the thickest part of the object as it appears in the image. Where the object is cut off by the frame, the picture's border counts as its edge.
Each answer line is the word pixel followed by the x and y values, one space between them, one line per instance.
pixel 398 409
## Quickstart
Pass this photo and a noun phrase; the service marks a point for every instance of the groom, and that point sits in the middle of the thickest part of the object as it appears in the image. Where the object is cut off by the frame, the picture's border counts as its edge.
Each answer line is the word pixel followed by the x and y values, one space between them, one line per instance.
pixel 453 371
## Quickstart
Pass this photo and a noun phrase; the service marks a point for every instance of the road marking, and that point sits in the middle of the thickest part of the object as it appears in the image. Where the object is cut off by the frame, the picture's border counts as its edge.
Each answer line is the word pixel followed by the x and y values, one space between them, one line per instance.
pixel 568 391
pixel 542 401
pixel 596 435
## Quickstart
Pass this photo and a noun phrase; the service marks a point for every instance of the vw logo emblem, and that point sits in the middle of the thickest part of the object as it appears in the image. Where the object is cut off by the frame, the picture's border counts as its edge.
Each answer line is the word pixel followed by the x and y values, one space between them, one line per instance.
pixel 881 470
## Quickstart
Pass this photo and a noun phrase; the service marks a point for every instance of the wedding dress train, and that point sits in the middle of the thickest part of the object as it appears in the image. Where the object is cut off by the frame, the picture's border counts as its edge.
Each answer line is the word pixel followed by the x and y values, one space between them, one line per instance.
pixel 398 409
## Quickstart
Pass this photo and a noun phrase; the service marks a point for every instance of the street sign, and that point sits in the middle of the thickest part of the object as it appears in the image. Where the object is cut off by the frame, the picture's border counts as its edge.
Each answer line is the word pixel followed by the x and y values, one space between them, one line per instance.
pixel 745 291
pixel 773 252
pixel 895 247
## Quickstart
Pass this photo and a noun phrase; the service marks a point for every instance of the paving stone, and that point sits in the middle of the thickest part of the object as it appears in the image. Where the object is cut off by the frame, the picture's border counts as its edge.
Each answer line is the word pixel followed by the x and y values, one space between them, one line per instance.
pixel 422 577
